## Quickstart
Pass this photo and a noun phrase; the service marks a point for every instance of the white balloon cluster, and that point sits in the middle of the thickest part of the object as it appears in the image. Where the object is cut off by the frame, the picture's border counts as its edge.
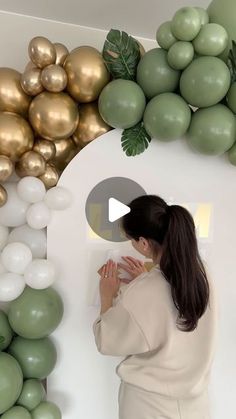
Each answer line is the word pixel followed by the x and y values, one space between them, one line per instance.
pixel 23 222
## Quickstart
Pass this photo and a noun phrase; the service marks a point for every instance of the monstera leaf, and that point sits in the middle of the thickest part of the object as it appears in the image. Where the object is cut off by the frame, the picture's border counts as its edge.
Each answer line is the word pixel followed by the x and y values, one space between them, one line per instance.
pixel 121 54
pixel 232 61
pixel 135 140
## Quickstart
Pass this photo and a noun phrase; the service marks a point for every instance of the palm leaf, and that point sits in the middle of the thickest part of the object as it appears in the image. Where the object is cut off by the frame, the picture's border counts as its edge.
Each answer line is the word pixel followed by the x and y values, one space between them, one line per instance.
pixel 232 61
pixel 121 54
pixel 135 140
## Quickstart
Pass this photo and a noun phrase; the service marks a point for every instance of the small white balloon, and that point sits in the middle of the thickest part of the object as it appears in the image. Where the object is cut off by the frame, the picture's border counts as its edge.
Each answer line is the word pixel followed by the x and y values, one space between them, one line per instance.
pixel 31 189
pixel 35 239
pixel 13 213
pixel 4 232
pixel 38 215
pixel 11 286
pixel 2 267
pixel 16 257
pixel 58 198
pixel 40 274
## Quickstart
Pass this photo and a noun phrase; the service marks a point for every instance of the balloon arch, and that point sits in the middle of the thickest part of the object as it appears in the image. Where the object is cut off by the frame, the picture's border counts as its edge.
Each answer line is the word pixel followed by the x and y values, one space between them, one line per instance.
pixel 185 87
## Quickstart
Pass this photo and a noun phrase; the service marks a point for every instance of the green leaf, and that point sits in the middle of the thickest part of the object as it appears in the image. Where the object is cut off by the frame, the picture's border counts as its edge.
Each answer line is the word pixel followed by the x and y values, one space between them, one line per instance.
pixel 2 339
pixel 135 140
pixel 232 61
pixel 121 54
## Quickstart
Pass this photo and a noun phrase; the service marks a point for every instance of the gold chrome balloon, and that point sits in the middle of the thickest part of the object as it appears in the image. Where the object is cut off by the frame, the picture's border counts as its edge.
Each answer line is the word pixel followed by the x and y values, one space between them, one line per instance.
pixel 31 81
pixel 65 151
pixel 30 164
pixel 3 196
pixel 61 53
pixel 46 148
pixel 6 168
pixel 50 176
pixel 41 51
pixel 53 115
pixel 54 78
pixel 29 66
pixel 91 124
pixel 16 135
pixel 12 96
pixel 87 74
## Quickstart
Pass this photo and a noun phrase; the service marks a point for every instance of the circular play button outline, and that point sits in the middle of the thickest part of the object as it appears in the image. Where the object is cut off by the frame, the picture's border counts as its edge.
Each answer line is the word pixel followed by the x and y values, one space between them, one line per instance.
pixel 122 190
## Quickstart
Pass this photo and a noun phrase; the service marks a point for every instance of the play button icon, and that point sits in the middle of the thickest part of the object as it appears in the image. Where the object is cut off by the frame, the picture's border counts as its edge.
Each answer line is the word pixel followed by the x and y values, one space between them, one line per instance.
pixel 117 210
pixel 107 203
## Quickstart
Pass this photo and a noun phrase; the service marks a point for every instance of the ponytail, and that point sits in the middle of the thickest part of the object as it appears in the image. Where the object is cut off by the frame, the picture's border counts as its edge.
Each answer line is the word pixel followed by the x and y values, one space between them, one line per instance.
pixel 182 267
pixel 172 228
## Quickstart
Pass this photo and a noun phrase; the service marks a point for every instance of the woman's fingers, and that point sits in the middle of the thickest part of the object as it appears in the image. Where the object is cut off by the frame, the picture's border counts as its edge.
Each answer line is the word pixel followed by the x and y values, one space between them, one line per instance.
pixel 126 268
pixel 132 261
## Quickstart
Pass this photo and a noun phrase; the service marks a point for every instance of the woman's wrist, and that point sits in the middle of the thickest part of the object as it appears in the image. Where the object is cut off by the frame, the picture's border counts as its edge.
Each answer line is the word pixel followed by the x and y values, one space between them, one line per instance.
pixel 106 303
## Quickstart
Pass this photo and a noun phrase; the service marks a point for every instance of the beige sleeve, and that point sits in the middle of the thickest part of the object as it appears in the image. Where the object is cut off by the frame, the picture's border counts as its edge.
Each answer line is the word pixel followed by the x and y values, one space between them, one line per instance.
pixel 118 334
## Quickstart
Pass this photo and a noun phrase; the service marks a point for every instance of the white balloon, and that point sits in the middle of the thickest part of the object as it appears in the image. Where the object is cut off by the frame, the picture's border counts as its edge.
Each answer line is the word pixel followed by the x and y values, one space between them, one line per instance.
pixel 2 267
pixel 16 257
pixel 11 286
pixel 40 274
pixel 38 215
pixel 58 198
pixel 35 239
pixel 31 189
pixel 4 232
pixel 13 213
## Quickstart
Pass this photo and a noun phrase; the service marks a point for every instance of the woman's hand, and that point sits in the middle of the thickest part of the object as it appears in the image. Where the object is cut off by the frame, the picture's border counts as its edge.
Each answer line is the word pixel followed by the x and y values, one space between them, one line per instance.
pixel 134 267
pixel 109 285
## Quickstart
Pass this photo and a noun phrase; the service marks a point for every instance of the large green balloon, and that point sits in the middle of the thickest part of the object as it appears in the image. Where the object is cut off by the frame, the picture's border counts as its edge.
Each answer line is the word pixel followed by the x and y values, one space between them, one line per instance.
pixel 224 12
pixel 205 82
pixel 5 331
pixel 186 23
pixel 11 381
pixel 33 392
pixel 167 117
pixel 17 412
pixel 212 130
pixel 203 15
pixel 232 155
pixel 180 55
pixel 37 357
pixel 46 410
pixel 36 313
pixel 211 40
pixel 231 97
pixel 164 36
pixel 122 103
pixel 155 75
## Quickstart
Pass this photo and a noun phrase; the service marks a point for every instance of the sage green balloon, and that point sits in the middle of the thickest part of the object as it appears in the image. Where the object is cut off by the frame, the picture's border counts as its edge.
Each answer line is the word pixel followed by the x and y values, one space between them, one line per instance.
pixel 155 75
pixel 212 130
pixel 11 381
pixel 5 331
pixel 231 98
pixel 46 410
pixel 211 40
pixel 167 117
pixel 186 24
pixel 232 155
pixel 36 313
pixel 122 103
pixel 17 412
pixel 205 82
pixel 37 357
pixel 180 55
pixel 33 393
pixel 204 17
pixel 224 12
pixel 164 36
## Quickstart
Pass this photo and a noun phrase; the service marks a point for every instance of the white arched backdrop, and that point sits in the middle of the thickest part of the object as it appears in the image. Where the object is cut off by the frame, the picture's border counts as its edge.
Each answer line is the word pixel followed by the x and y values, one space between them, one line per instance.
pixel 84 383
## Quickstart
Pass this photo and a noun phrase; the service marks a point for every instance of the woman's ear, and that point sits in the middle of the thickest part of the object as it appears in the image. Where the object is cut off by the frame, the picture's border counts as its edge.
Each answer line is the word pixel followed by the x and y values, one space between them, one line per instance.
pixel 144 243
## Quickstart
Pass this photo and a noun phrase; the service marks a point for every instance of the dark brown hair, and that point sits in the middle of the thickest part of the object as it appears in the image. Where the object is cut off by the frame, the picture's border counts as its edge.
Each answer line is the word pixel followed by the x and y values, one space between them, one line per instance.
pixel 172 227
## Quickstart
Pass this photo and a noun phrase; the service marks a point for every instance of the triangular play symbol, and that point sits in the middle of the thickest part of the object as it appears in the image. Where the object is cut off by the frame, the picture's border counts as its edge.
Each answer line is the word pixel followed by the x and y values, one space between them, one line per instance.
pixel 116 209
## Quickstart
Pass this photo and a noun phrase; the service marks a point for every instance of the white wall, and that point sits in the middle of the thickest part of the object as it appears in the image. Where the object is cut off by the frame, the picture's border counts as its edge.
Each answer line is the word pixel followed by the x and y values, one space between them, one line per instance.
pixel 16 31
pixel 84 382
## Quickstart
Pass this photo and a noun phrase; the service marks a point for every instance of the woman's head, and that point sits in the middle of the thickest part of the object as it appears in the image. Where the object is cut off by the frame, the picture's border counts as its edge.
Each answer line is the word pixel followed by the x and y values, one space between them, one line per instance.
pixel 167 234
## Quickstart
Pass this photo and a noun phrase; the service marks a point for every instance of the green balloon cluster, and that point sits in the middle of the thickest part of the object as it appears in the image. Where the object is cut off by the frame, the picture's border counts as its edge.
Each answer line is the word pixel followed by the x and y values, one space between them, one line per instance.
pixel 31 355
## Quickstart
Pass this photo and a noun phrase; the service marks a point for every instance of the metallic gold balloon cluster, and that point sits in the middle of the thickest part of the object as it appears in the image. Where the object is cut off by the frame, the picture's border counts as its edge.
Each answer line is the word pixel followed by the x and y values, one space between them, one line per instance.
pixel 50 112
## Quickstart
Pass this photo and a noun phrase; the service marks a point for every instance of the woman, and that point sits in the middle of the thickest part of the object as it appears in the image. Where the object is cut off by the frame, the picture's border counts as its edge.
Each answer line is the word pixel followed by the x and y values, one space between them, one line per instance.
pixel 163 322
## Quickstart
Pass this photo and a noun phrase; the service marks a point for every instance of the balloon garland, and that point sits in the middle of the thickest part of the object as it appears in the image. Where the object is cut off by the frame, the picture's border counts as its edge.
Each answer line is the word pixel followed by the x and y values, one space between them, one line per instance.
pixel 185 87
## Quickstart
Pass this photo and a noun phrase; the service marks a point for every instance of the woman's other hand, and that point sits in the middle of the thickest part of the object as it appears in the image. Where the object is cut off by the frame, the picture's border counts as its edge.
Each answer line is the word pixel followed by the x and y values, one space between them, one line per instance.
pixel 109 282
pixel 134 267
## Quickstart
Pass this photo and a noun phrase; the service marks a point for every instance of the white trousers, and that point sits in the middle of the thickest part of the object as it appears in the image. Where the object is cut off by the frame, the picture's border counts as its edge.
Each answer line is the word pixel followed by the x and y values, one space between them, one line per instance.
pixel 136 403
